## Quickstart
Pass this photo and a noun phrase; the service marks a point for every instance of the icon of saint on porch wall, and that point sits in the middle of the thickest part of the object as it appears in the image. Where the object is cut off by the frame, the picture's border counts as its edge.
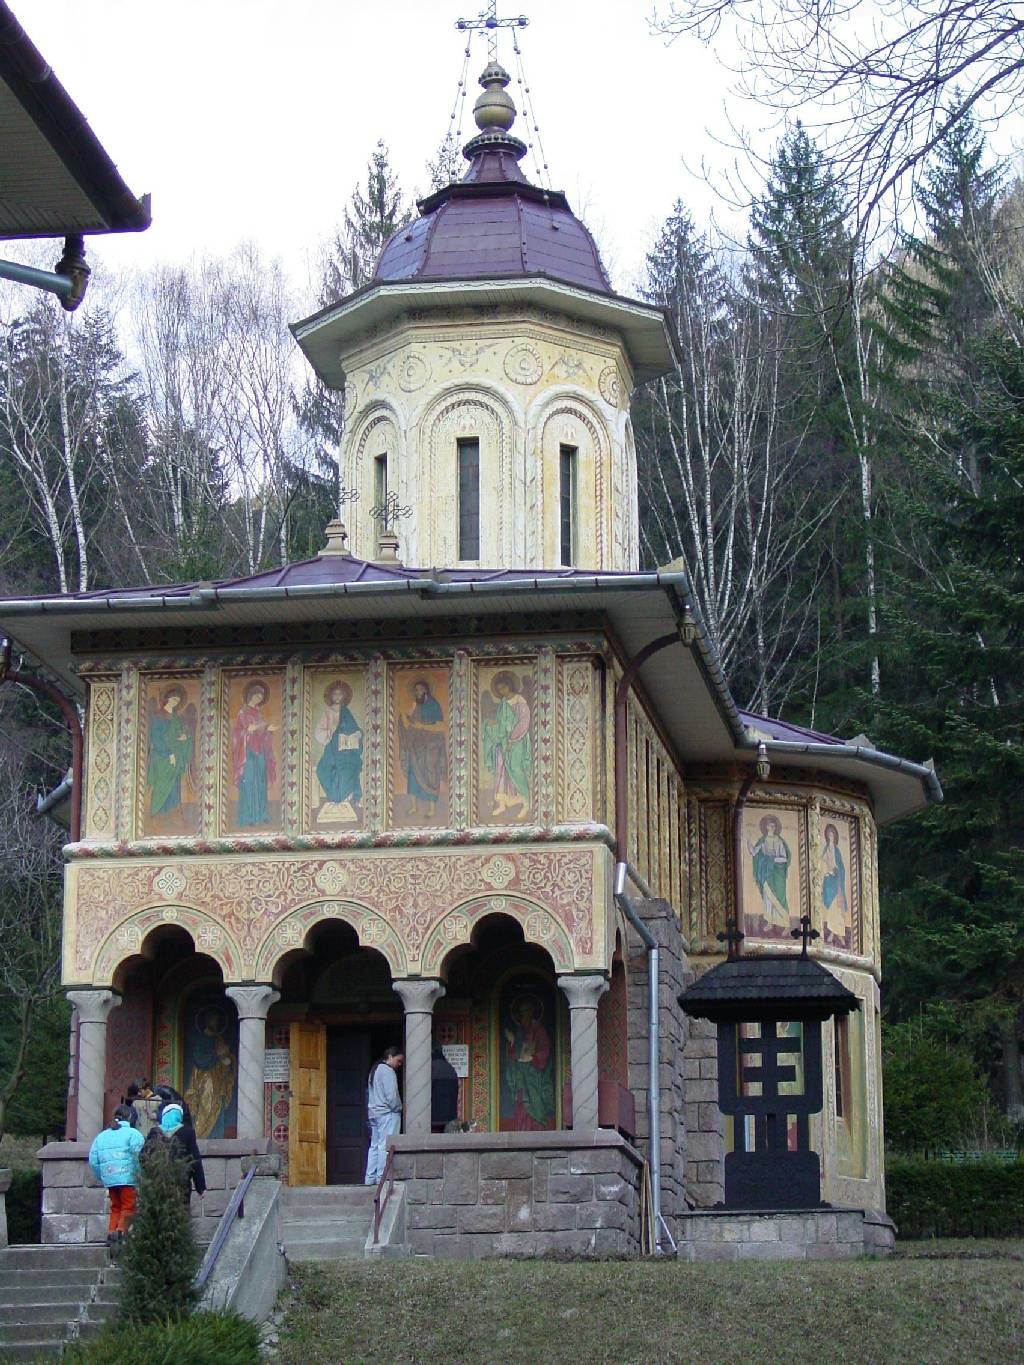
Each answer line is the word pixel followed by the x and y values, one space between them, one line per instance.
pixel 252 791
pixel 209 1064
pixel 526 1057
pixel 336 780
pixel 419 751
pixel 772 897
pixel 170 789
pixel 836 857
pixel 505 779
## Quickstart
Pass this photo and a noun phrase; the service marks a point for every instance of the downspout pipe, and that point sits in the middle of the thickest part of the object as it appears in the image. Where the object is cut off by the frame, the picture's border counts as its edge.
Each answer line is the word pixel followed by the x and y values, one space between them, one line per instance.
pixel 68 281
pixel 70 714
pixel 622 690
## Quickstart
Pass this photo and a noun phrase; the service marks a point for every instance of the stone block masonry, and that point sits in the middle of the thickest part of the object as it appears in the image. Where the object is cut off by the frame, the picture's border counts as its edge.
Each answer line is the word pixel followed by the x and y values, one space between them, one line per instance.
pixel 790 1235
pixel 75 1203
pixel 520 1194
pixel 663 923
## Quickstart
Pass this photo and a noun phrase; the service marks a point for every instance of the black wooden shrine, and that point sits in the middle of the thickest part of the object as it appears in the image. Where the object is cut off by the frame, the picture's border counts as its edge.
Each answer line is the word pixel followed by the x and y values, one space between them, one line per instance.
pixel 769 1011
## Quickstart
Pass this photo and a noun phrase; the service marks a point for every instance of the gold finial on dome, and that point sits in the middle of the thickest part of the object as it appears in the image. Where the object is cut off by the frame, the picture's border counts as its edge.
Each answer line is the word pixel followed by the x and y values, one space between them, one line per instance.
pixel 494 110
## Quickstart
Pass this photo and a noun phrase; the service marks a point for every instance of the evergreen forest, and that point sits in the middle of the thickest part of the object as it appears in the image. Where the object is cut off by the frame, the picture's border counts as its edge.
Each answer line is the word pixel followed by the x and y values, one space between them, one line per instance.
pixel 838 460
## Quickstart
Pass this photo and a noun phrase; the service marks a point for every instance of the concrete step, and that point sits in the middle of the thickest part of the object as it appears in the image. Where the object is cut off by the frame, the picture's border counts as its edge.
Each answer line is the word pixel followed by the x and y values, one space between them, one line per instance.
pixel 327 1196
pixel 60 1309
pixel 15 1282
pixel 53 1257
pixel 324 1230
pixel 40 1348
pixel 336 1249
pixel 12 1332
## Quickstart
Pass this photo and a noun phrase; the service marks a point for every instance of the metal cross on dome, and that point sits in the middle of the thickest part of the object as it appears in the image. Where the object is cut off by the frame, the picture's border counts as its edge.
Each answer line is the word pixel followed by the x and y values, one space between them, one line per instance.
pixel 389 511
pixel 489 23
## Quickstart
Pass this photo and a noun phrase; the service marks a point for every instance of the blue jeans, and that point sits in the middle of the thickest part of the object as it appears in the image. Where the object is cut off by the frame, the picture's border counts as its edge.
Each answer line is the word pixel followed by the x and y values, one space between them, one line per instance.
pixel 380 1130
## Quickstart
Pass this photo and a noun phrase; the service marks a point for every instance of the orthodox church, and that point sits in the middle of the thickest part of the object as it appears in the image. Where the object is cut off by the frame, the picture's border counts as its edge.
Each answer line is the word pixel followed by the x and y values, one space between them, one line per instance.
pixel 470 781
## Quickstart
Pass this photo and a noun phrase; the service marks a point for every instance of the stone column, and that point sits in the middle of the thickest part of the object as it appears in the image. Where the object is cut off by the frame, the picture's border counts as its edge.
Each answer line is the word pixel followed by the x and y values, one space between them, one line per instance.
pixel 253 1003
pixel 94 1009
pixel 583 993
pixel 419 998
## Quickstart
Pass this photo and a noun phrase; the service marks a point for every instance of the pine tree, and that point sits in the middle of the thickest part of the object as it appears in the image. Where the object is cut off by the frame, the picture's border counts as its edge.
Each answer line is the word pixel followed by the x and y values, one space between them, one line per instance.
pixel 447 165
pixel 376 212
pixel 160 1257
pixel 955 877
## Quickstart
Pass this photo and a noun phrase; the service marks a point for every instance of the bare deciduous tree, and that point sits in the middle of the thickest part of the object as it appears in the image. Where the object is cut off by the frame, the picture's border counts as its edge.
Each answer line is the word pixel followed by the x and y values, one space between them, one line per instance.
pixel 880 85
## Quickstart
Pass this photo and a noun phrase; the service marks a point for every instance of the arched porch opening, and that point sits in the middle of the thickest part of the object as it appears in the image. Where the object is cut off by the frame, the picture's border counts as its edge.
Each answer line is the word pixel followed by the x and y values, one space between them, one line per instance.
pixel 504 1024
pixel 175 1025
pixel 336 1014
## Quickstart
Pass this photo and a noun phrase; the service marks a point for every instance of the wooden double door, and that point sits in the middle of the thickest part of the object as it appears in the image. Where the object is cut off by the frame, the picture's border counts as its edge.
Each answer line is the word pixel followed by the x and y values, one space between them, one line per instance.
pixel 328 1131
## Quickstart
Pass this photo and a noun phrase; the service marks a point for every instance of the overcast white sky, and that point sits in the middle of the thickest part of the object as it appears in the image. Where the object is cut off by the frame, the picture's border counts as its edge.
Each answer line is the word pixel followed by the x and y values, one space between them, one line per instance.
pixel 255 118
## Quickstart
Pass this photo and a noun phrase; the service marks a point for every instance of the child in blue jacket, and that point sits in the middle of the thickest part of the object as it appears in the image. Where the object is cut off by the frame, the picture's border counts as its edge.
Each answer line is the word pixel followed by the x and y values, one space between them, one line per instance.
pixel 114 1157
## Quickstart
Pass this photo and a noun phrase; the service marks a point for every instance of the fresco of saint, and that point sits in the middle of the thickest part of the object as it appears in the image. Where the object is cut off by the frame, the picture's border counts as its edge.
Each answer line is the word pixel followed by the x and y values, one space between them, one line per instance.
pixel 527 1067
pixel 423 750
pixel 252 755
pixel 508 749
pixel 212 1072
pixel 835 903
pixel 172 743
pixel 340 767
pixel 771 857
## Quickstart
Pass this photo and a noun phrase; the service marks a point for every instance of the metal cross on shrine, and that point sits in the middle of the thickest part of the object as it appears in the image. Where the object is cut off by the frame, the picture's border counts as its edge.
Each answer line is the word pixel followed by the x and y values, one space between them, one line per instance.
pixel 805 932
pixel 733 936
pixel 489 23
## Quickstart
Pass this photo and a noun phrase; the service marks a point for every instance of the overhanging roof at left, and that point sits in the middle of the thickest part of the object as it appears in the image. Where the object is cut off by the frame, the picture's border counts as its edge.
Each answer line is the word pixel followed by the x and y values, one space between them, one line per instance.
pixel 56 178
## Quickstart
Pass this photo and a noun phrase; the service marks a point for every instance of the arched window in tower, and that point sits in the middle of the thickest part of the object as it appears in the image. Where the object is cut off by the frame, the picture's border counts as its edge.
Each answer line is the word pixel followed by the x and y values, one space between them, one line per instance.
pixel 568 519
pixel 468 449
pixel 380 480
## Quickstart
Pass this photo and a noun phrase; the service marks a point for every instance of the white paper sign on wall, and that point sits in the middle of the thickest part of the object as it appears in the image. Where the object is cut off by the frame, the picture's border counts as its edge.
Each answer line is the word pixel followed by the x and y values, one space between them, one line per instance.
pixel 458 1055
pixel 276 1066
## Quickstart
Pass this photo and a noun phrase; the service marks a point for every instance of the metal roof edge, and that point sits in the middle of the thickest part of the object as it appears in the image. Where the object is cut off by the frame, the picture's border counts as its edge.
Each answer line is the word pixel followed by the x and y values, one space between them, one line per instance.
pixel 878 758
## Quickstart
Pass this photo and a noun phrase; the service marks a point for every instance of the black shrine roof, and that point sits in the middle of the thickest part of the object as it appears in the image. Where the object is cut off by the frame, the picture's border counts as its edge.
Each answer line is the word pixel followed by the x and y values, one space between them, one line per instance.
pixel 773 985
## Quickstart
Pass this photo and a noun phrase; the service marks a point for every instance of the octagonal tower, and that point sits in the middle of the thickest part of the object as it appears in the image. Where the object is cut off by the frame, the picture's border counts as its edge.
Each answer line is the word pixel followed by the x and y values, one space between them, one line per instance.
pixel 487 370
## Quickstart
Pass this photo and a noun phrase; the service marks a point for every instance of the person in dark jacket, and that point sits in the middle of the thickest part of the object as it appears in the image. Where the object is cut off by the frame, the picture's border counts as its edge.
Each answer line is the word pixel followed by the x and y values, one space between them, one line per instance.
pixel 444 1091
pixel 180 1139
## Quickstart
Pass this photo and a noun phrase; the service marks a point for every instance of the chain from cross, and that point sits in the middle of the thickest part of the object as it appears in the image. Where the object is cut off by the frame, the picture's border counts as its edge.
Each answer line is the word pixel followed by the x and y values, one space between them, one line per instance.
pixel 805 932
pixel 389 511
pixel 489 23
pixel 733 936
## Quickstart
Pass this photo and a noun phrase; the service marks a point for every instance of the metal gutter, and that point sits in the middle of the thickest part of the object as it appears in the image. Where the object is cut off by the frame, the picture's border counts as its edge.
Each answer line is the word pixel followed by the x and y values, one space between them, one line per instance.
pixel 923 772
pixel 45 804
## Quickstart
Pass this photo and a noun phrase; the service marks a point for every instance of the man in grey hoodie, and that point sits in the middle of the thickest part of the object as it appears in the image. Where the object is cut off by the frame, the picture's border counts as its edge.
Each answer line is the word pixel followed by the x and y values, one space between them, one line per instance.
pixel 383 1109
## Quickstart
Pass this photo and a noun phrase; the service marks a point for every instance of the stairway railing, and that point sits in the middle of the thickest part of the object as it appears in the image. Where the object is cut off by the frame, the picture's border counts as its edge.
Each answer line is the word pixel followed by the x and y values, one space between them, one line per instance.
pixel 235 1209
pixel 384 1188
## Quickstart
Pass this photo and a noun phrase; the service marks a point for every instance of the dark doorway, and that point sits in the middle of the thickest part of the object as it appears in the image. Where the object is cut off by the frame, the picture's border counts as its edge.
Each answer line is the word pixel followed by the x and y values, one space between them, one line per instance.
pixel 350 1053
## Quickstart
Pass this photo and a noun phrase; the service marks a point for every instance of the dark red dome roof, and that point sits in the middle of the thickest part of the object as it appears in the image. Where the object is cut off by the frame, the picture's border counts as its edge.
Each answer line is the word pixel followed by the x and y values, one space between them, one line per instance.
pixel 494 224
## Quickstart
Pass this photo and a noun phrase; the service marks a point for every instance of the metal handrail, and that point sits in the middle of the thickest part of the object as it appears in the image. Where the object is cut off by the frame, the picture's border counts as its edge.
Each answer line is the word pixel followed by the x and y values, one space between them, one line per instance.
pixel 380 1199
pixel 235 1209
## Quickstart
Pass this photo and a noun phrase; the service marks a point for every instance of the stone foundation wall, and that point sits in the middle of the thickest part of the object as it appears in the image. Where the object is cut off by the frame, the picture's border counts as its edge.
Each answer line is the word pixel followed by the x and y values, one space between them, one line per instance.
pixel 520 1194
pixel 793 1235
pixel 663 923
pixel 705 1122
pixel 75 1203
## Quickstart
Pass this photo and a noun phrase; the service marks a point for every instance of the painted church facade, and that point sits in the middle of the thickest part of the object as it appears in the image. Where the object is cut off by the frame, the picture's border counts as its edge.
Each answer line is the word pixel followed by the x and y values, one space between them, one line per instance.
pixel 352 802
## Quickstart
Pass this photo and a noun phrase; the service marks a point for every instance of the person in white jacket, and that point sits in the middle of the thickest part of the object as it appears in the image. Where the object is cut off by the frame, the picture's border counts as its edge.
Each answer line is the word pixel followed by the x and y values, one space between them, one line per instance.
pixel 383 1109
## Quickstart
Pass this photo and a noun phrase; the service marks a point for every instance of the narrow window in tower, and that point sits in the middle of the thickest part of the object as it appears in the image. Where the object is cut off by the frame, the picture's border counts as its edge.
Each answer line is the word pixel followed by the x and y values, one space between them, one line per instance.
pixel 469 498
pixel 380 480
pixel 567 520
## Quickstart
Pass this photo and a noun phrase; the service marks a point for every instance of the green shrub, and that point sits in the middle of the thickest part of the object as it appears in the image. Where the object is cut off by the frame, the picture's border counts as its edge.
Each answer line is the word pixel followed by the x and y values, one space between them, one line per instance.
pixel 963 1199
pixel 24 1204
pixel 199 1339
pixel 160 1257
pixel 933 1090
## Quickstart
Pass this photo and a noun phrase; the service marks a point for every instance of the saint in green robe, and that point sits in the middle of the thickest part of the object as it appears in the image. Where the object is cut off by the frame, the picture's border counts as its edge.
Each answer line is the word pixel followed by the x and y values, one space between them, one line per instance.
pixel 171 743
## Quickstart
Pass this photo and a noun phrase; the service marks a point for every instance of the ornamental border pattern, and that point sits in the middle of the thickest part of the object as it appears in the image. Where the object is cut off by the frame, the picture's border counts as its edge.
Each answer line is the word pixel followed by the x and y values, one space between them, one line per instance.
pixel 101 759
pixel 399 901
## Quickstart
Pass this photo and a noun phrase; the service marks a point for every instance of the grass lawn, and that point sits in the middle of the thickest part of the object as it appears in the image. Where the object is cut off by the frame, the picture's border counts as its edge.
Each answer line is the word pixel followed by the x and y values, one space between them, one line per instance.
pixel 916 1308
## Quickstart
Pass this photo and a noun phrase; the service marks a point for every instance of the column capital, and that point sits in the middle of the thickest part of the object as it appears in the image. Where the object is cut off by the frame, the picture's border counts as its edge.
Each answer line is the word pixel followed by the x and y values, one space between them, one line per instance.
pixel 253 1002
pixel 94 1006
pixel 583 992
pixel 419 995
